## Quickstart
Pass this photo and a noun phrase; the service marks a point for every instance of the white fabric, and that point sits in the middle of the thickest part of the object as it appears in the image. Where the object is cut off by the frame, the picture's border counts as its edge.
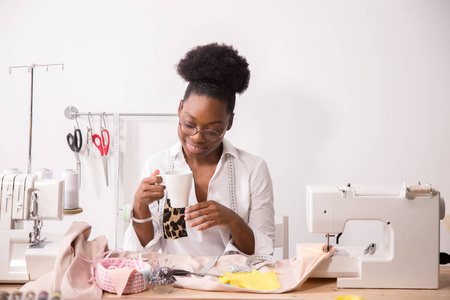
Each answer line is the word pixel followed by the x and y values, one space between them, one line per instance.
pixel 291 273
pixel 254 201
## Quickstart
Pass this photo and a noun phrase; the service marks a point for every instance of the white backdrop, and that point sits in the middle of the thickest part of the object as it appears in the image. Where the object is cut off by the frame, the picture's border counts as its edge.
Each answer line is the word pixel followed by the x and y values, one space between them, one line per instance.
pixel 341 91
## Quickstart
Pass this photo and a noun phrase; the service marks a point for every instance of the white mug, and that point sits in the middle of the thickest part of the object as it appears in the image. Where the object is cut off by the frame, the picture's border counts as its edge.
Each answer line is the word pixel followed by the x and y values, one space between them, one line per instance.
pixel 178 187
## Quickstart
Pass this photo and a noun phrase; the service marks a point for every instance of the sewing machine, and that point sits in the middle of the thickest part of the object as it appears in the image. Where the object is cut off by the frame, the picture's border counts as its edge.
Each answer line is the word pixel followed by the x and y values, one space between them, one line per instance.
pixel 24 255
pixel 408 254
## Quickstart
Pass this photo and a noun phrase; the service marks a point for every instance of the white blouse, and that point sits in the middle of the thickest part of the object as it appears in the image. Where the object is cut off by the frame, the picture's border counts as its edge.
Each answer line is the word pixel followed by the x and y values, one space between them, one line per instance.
pixel 253 199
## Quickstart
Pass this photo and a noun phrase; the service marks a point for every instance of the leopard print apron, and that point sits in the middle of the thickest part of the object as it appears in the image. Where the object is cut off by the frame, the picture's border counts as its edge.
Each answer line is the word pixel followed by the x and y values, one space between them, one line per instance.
pixel 174 225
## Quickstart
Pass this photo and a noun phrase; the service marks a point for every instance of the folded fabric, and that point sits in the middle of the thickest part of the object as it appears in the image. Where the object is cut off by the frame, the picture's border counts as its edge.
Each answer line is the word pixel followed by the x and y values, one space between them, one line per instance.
pixel 252 280
pixel 71 272
pixel 119 278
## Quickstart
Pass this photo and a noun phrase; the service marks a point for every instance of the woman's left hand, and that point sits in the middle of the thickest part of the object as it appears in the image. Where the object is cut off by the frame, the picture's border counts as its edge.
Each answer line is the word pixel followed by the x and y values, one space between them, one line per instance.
pixel 209 214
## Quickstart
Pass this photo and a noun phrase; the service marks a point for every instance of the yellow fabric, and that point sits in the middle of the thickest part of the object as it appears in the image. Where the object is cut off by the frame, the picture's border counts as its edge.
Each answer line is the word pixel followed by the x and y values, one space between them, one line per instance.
pixel 256 281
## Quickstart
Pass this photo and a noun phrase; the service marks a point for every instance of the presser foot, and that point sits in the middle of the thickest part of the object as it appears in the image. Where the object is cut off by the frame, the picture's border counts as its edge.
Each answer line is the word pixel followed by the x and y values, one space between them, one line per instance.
pixel 327 247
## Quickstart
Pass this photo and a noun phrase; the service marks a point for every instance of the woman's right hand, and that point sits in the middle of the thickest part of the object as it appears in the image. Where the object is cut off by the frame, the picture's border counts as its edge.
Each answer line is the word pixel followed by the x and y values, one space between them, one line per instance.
pixel 148 192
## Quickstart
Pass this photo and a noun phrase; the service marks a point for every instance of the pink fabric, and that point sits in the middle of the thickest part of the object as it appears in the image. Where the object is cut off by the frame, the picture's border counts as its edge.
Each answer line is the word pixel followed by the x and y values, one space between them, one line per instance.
pixel 291 273
pixel 120 278
pixel 117 275
pixel 71 273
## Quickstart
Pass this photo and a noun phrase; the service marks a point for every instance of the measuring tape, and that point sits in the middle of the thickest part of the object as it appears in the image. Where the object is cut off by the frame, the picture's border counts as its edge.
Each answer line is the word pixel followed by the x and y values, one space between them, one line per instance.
pixel 252 260
pixel 211 264
pixel 231 179
pixel 116 166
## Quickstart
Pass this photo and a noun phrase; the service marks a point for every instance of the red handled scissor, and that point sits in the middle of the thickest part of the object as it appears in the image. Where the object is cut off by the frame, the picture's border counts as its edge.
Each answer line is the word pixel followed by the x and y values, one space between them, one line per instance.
pixel 102 143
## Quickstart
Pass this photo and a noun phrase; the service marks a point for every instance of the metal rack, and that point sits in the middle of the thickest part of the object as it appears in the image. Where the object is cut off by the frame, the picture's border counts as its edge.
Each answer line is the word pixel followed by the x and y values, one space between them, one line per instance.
pixel 31 70
pixel 71 112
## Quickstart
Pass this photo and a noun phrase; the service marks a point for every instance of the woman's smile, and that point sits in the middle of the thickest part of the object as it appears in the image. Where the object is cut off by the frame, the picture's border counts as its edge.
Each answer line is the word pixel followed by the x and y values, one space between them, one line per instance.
pixel 195 149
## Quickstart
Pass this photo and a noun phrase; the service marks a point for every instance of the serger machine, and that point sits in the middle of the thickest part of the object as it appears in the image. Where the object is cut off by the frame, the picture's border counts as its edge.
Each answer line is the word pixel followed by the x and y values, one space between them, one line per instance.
pixel 408 254
pixel 24 255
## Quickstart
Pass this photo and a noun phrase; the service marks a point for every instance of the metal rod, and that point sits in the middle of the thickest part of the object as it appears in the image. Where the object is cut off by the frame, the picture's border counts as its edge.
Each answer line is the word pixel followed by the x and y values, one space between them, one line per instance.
pixel 72 112
pixel 327 247
pixel 31 70
pixel 131 114
pixel 32 66
pixel 31 122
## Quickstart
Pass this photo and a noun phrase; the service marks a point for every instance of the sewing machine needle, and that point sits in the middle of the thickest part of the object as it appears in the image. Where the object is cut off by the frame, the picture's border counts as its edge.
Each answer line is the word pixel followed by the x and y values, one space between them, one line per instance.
pixel 327 247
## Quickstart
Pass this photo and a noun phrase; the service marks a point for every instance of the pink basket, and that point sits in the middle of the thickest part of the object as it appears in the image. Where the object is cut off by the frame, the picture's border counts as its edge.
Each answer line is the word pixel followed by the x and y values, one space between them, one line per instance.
pixel 136 282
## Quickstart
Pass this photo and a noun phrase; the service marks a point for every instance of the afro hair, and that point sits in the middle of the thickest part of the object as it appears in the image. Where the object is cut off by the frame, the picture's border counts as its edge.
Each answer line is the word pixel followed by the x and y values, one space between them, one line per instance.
pixel 216 63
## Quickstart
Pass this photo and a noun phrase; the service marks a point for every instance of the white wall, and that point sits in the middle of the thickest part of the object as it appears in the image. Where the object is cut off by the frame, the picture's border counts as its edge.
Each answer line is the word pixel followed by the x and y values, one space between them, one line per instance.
pixel 341 91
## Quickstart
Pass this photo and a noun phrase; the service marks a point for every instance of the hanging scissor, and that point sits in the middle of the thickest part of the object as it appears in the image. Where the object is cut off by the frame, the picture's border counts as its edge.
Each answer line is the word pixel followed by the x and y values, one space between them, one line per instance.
pixel 75 142
pixel 102 143
pixel 89 136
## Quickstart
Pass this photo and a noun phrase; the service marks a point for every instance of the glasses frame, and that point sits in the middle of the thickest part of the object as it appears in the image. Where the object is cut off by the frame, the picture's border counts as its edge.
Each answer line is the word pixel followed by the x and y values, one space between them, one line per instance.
pixel 203 131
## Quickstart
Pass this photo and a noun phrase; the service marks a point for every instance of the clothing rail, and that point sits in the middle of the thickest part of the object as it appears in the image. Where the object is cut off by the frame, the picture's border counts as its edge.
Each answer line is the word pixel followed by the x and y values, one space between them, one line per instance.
pixel 71 112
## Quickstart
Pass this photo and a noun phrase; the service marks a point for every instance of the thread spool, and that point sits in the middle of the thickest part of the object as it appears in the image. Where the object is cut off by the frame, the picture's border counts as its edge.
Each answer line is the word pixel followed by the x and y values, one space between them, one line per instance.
pixel 12 171
pixel 56 296
pixel 30 295
pixel 124 213
pixel 71 192
pixel 45 174
pixel 43 295
pixel 420 189
pixel 16 296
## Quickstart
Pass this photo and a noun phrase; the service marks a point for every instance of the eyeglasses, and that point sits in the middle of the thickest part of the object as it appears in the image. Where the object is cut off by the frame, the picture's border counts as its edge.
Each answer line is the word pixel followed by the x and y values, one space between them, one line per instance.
pixel 209 134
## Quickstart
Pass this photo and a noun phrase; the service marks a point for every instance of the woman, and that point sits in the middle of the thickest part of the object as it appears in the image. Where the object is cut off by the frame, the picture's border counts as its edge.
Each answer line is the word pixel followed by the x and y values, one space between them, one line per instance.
pixel 231 205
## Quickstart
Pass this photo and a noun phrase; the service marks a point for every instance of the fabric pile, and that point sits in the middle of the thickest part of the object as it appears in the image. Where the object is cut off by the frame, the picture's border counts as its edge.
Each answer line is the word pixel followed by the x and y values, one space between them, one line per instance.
pixel 72 274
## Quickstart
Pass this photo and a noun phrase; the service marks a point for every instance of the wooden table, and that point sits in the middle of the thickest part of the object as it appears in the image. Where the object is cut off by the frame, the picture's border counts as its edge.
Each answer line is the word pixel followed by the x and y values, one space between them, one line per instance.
pixel 311 289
